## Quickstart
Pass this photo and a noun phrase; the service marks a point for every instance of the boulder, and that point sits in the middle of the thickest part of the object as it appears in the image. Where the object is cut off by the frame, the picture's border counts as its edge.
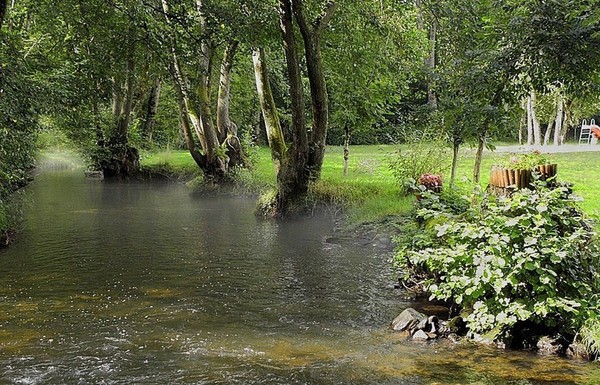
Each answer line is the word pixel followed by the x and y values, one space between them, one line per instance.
pixel 409 320
pixel 420 335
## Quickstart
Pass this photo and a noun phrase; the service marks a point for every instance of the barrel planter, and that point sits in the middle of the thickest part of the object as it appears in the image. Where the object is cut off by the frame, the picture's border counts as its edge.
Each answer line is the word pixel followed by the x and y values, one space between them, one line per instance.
pixel 502 178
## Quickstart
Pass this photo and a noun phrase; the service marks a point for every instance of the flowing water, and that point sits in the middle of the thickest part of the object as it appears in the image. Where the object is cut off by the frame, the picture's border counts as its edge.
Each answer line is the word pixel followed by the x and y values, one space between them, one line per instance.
pixel 143 283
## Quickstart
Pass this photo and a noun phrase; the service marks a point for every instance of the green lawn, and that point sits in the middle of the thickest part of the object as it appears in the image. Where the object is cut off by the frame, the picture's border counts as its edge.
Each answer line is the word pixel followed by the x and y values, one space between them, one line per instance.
pixel 371 193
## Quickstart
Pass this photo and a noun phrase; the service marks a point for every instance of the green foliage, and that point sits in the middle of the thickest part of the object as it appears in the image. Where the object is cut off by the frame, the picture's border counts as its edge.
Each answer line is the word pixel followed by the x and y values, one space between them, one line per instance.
pixel 589 335
pixel 530 257
pixel 527 161
pixel 419 157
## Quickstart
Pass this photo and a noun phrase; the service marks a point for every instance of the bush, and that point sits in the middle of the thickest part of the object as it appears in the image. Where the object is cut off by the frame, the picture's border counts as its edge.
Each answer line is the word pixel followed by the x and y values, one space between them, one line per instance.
pixel 420 157
pixel 504 261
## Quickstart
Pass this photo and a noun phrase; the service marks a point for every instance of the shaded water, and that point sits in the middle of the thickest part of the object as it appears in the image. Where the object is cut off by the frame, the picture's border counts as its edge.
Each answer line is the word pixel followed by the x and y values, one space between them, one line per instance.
pixel 142 283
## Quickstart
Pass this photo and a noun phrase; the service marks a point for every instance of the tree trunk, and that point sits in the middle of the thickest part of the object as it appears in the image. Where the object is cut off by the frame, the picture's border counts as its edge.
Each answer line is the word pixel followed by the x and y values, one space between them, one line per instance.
pixel 522 125
pixel 216 167
pixel 124 160
pixel 548 132
pixel 431 96
pixel 226 129
pixel 455 147
pixel 537 133
pixel 559 119
pixel 269 109
pixel 3 7
pixel 189 120
pixel 346 148
pixel 150 110
pixel 311 35
pixel 224 124
pixel 479 155
pixel 566 121
pixel 293 177
pixel 529 123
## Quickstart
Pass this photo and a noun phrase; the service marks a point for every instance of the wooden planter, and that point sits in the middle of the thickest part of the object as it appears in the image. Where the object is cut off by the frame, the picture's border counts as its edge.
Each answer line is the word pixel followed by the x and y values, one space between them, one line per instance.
pixel 504 177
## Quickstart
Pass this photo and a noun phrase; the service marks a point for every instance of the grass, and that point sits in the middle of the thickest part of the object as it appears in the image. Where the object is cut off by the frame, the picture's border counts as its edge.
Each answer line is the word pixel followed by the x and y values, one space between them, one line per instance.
pixel 370 192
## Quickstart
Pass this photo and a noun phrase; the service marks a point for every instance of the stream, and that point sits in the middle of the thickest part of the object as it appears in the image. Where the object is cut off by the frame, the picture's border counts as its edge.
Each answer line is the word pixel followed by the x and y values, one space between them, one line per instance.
pixel 145 283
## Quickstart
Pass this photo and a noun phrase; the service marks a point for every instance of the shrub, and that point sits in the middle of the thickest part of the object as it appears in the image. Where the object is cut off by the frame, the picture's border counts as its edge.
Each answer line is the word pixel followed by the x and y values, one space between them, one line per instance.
pixel 421 157
pixel 527 258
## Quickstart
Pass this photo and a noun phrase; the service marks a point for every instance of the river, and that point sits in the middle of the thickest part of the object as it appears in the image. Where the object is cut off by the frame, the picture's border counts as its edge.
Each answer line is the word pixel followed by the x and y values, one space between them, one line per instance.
pixel 144 283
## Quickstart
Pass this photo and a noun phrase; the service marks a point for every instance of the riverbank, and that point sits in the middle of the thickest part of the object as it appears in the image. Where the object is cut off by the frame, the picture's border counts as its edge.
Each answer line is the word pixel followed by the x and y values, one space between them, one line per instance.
pixel 370 193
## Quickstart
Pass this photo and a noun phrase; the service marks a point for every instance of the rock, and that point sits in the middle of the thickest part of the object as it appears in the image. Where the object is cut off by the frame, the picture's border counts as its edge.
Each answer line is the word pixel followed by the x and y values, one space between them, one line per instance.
pixel 453 337
pixel 577 350
pixel 94 174
pixel 409 320
pixel 420 335
pixel 550 345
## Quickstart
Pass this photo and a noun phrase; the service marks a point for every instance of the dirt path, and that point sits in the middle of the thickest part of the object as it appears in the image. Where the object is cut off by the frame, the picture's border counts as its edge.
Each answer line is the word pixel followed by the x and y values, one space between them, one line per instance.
pixel 547 149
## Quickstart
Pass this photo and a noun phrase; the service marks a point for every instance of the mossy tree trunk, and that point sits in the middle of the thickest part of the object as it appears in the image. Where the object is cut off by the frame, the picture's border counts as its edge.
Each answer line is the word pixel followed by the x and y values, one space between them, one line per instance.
pixel 227 130
pixel 150 109
pixel 122 160
pixel 195 104
pixel 302 161
pixel 275 136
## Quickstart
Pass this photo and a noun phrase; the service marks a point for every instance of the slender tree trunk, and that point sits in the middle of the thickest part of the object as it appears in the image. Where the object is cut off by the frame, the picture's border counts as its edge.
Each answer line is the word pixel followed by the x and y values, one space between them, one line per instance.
pixel 559 119
pixel 566 121
pixel 124 160
pixel 431 96
pixel 537 133
pixel 150 110
pixel 455 147
pixel 216 167
pixel 522 125
pixel 3 7
pixel 226 129
pixel 479 154
pixel 189 120
pixel 269 109
pixel 548 132
pixel 224 124
pixel 529 123
pixel 346 148
pixel 100 142
pixel 311 35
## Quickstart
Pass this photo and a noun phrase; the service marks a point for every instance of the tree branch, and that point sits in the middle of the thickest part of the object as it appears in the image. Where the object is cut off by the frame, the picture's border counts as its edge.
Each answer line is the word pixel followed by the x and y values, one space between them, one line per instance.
pixel 325 16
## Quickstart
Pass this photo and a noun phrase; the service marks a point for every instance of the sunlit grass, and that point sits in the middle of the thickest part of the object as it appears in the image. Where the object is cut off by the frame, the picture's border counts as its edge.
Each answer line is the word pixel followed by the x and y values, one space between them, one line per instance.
pixel 369 192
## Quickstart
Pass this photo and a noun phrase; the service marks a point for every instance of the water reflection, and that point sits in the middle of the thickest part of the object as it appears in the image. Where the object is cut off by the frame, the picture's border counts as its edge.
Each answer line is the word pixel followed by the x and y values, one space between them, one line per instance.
pixel 142 283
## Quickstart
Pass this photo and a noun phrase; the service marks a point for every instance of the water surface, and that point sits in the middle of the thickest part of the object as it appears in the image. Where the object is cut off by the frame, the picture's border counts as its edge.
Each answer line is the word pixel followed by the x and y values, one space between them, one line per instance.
pixel 143 283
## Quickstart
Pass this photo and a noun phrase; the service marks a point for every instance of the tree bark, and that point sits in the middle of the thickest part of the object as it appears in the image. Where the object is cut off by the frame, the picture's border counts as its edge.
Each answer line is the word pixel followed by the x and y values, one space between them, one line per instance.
pixel 311 35
pixel 293 176
pixel 124 159
pixel 537 134
pixel 3 7
pixel 529 123
pixel 216 167
pixel 430 62
pixel 150 110
pixel 224 124
pixel 275 136
pixel 522 125
pixel 226 129
pixel 548 132
pixel 479 154
pixel 566 121
pixel 455 147
pixel 189 120
pixel 559 119
pixel 346 148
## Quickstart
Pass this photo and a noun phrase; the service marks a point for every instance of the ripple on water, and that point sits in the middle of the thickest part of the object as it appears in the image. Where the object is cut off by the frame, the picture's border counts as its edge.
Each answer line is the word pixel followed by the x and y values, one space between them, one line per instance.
pixel 141 283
